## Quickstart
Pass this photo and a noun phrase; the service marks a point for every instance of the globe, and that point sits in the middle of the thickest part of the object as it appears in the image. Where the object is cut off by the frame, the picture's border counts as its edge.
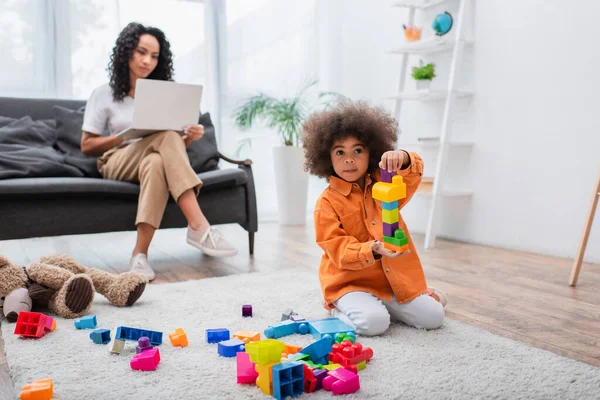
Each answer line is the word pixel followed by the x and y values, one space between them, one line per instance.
pixel 442 23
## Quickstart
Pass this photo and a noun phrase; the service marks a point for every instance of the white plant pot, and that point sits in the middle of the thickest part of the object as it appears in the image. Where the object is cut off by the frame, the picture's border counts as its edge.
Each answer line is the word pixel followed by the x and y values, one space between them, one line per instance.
pixel 423 84
pixel 292 184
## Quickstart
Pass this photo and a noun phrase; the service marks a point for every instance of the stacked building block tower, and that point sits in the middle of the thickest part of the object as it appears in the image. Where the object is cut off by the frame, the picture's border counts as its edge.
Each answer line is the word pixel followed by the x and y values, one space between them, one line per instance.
pixel 389 191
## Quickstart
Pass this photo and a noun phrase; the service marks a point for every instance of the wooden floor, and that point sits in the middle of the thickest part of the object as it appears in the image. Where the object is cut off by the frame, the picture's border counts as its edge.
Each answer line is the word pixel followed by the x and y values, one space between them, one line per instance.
pixel 522 296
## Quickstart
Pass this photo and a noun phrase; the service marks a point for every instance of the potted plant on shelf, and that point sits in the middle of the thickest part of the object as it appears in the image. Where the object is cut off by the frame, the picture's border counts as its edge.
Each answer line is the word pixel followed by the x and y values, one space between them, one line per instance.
pixel 423 74
pixel 286 115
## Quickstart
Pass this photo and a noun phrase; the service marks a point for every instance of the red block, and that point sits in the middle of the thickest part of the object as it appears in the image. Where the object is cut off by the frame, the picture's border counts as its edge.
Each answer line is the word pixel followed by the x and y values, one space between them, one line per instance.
pixel 32 324
pixel 347 354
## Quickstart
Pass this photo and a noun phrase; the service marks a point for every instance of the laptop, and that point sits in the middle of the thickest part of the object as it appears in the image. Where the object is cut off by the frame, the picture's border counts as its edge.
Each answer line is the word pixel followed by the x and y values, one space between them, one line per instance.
pixel 161 106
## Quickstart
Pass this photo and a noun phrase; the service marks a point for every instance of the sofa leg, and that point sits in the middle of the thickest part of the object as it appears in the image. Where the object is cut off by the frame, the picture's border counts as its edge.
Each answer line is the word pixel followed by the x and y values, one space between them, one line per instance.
pixel 251 242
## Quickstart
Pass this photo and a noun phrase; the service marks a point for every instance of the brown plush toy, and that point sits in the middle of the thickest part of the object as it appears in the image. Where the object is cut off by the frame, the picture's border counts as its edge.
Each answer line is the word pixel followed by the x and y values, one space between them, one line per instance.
pixel 65 286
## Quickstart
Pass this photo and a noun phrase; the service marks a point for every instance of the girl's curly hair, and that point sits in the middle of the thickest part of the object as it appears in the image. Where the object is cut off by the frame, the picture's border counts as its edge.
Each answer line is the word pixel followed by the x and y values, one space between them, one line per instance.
pixel 373 126
pixel 126 44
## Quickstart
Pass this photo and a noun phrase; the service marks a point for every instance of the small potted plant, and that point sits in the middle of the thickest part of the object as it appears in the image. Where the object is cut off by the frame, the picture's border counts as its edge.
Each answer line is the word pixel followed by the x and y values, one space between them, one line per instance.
pixel 423 74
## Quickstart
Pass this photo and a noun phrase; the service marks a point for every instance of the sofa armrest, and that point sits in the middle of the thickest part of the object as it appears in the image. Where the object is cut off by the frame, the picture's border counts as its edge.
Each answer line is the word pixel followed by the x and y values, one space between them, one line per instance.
pixel 236 162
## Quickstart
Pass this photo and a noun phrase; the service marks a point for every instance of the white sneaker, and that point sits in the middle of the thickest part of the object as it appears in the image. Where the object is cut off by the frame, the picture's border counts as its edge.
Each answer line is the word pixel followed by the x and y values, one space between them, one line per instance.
pixel 210 242
pixel 140 265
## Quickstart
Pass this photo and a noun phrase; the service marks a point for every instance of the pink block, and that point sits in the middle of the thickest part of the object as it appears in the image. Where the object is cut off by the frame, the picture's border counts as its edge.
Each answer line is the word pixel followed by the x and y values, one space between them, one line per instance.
pixel 246 371
pixel 341 381
pixel 146 360
pixel 49 323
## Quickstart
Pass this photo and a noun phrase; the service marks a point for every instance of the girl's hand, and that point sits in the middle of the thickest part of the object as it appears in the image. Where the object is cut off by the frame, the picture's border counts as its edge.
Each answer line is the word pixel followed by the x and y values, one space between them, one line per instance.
pixel 394 160
pixel 378 248
pixel 193 133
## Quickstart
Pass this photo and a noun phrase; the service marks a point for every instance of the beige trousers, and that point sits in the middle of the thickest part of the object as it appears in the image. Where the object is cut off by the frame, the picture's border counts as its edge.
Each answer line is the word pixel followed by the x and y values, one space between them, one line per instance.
pixel 160 164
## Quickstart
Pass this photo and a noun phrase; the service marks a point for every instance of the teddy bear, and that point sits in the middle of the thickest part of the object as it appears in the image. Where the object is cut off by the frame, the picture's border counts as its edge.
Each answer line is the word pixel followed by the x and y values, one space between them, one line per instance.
pixel 64 286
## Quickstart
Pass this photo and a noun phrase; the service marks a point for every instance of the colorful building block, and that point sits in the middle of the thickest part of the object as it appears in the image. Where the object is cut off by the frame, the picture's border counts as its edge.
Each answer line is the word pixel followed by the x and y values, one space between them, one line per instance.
pixel 331 366
pixel 392 205
pixel 329 327
pixel 100 336
pixel 228 348
pixel 347 353
pixel 318 350
pixel 389 229
pixel 37 390
pixel 288 380
pixel 310 382
pixel 143 345
pixel 340 337
pixel 289 349
pixel 116 346
pixel 389 192
pixel 386 176
pixel 298 357
pixel 265 378
pixel 178 338
pixel 126 333
pixel 395 241
pixel 31 324
pixel 247 310
pixel 287 314
pixel 146 360
pixel 49 323
pixel 246 369
pixel 217 335
pixel 319 375
pixel 297 318
pixel 247 336
pixel 87 322
pixel 265 351
pixel 341 381
pixel 281 329
pixel 390 216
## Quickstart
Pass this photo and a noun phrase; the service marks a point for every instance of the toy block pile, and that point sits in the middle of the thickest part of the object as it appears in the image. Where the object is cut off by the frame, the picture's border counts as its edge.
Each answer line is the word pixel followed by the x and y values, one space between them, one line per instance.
pixel 331 362
pixel 391 189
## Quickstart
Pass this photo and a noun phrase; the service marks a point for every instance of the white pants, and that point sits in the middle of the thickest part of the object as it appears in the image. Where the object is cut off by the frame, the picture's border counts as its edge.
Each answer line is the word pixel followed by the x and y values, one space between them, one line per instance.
pixel 371 316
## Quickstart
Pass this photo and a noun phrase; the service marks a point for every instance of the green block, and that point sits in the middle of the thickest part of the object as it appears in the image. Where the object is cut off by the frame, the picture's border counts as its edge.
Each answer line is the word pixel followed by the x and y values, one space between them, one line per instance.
pixel 361 365
pixel 399 234
pixel 312 364
pixel 394 241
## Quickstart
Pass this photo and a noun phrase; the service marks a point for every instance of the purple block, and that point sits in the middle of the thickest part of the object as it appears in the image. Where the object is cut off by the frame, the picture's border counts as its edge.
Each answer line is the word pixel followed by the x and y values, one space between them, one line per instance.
pixel 320 374
pixel 143 344
pixel 386 176
pixel 389 229
pixel 247 310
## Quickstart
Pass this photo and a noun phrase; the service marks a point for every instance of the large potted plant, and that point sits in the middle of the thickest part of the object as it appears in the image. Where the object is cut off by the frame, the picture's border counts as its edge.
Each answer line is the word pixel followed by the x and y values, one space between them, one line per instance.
pixel 285 116
pixel 423 74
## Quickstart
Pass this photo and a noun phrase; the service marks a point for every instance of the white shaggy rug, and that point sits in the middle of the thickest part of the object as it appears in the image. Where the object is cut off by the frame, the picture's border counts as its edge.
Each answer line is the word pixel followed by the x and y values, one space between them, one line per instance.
pixel 456 362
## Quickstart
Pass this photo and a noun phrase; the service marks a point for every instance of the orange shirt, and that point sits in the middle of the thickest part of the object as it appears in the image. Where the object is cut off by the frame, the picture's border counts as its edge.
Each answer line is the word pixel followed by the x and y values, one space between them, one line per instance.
pixel 347 221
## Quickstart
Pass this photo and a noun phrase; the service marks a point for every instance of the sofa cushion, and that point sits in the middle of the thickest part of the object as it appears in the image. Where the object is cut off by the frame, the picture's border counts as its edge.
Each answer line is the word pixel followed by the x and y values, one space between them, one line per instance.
pixel 68 141
pixel 203 153
pixel 49 187
pixel 26 131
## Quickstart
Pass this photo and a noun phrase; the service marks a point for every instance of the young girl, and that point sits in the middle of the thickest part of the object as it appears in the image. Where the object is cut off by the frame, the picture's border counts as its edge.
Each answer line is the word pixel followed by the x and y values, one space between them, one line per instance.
pixel 365 284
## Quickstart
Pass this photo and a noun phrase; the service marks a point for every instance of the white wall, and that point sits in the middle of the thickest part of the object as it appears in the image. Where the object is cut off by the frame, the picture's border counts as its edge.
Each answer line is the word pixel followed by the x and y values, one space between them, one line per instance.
pixel 534 119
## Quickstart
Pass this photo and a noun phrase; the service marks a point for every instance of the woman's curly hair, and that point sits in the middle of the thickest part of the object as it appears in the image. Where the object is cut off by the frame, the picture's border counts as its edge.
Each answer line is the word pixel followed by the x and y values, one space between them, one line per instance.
pixel 373 126
pixel 126 44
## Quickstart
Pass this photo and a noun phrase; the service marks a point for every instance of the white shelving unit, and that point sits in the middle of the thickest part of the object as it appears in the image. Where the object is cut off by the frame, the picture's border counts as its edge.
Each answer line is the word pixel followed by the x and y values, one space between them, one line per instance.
pixel 436 191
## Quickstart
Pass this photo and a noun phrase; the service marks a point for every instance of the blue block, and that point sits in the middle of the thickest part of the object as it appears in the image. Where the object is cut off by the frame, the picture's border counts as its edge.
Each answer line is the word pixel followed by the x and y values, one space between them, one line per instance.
pixel 328 328
pixel 318 350
pixel 281 329
pixel 87 322
pixel 229 348
pixel 126 333
pixel 288 380
pixel 389 206
pixel 100 336
pixel 217 335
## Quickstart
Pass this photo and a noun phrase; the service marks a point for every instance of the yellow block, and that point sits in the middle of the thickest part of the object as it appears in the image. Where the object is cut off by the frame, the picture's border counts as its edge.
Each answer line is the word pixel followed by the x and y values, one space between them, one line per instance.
pixel 265 351
pixel 389 192
pixel 389 216
pixel 265 378
pixel 331 367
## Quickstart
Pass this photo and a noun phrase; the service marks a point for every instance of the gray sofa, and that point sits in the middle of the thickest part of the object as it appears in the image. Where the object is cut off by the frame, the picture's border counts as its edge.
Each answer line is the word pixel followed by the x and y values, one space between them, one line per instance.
pixel 51 189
